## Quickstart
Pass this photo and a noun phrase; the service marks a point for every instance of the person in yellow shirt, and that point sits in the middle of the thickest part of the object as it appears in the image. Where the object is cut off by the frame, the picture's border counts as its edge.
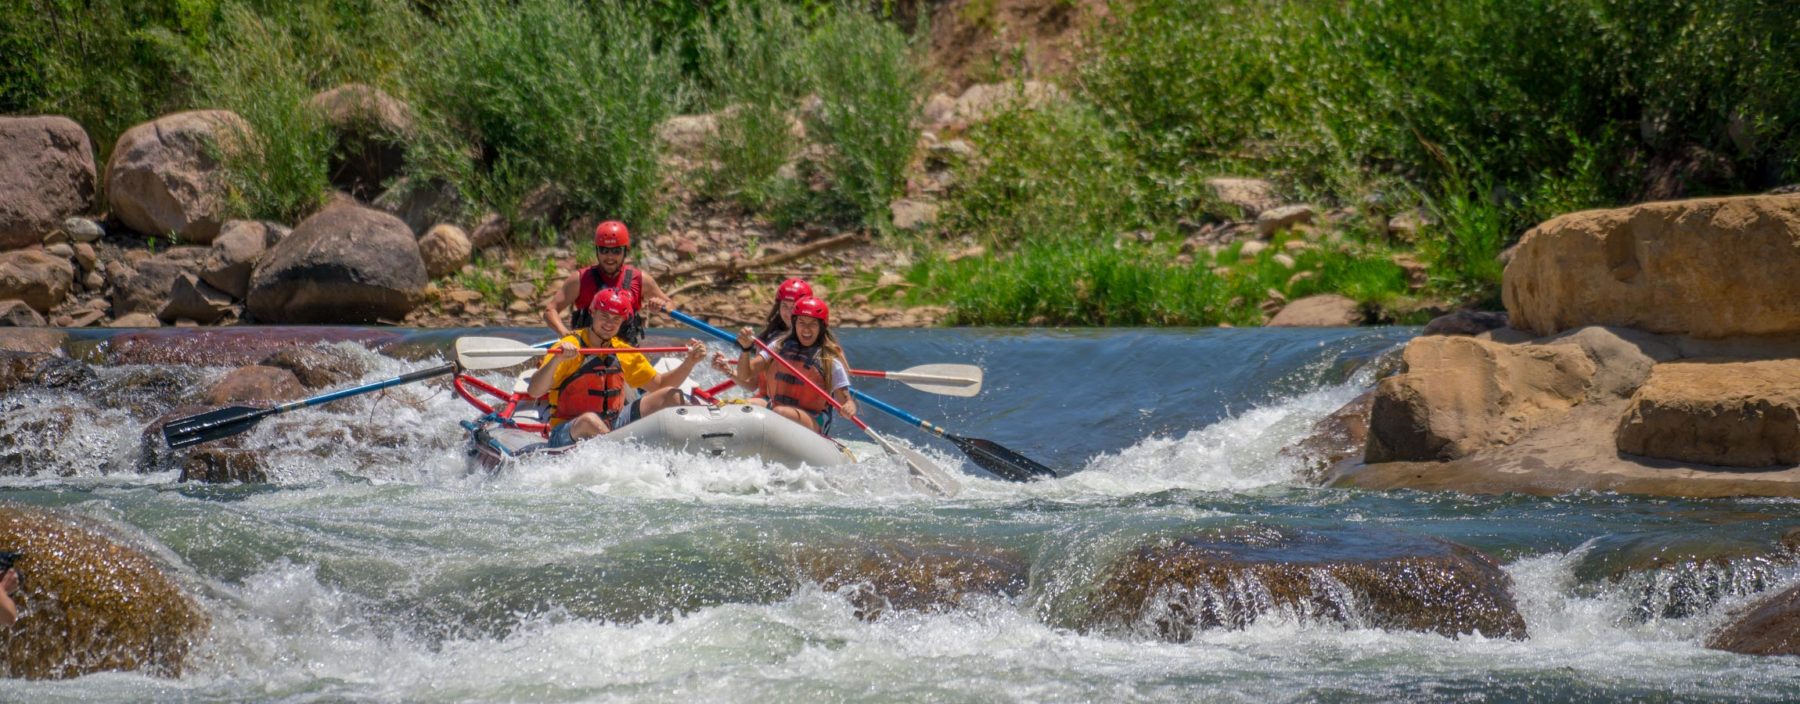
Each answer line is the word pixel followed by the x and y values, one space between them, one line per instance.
pixel 587 392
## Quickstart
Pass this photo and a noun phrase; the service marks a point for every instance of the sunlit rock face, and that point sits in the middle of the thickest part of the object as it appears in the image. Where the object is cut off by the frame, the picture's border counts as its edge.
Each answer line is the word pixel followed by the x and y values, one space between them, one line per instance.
pixel 1172 588
pixel 90 603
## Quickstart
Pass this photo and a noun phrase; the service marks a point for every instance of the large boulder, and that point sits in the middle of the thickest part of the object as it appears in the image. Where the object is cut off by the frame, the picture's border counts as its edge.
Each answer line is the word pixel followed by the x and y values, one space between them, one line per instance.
pixel 46 175
pixel 1464 394
pixel 422 205
pixel 36 277
pixel 234 253
pixel 347 264
pixel 91 603
pixel 1230 577
pixel 985 100
pixel 193 299
pixel 145 288
pixel 164 175
pixel 372 128
pixel 1717 412
pixel 1711 268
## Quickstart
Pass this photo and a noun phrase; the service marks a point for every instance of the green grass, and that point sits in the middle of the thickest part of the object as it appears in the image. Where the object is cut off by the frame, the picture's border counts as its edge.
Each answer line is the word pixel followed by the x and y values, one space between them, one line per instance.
pixel 277 169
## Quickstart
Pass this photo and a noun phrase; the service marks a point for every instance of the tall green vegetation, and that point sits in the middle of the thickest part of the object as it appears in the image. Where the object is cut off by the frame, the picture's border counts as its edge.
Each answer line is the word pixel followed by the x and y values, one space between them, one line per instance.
pixel 546 92
pixel 750 63
pixel 278 167
pixel 868 81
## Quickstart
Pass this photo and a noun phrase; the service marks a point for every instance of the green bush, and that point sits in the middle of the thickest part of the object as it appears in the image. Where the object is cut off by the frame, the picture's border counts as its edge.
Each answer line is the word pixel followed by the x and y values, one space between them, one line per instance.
pixel 280 169
pixel 545 91
pixel 1053 174
pixel 751 63
pixel 868 82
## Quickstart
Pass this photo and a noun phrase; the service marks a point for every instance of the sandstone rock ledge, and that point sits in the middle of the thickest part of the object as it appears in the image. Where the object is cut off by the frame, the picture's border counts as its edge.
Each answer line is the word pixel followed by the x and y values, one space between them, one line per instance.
pixel 1666 362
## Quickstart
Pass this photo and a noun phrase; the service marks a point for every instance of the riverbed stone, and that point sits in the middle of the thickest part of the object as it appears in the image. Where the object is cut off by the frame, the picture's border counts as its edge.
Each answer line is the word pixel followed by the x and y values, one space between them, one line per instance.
pixel 223 465
pixel 35 277
pixel 234 253
pixel 145 287
pixel 883 575
pixel 347 264
pixel 1326 310
pixel 1682 573
pixel 15 314
pixel 1717 412
pixel 1172 587
pixel 1709 268
pixel 193 299
pixel 32 439
pixel 255 383
pixel 91 602
pixel 164 176
pixel 46 175
pixel 33 340
pixel 1334 439
pixel 318 367
pixel 49 370
pixel 1250 196
pixel 1770 627
pixel 445 249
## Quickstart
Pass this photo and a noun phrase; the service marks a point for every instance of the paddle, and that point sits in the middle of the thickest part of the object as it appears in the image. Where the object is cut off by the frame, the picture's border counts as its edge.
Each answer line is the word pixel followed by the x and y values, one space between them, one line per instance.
pixel 231 420
pixel 928 473
pixel 475 353
pixel 943 379
pixel 989 455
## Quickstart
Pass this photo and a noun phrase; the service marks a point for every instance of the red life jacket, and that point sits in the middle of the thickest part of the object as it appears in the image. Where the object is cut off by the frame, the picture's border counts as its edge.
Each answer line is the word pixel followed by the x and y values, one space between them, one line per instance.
pixel 630 280
pixel 597 386
pixel 784 389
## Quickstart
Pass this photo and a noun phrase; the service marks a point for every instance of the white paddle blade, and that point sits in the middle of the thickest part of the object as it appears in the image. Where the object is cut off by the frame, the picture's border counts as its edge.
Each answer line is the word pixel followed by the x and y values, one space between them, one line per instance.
pixel 477 353
pixel 924 472
pixel 942 379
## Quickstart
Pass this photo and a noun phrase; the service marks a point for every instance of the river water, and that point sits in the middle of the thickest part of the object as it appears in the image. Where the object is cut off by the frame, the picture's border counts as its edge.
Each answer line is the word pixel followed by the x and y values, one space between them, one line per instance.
pixel 373 567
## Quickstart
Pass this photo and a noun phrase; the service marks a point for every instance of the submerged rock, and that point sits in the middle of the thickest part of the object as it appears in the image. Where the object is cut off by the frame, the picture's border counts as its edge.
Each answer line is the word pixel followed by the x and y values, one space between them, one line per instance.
pixel 1229 578
pixel 317 367
pixel 223 465
pixel 20 369
pixel 1772 627
pixel 229 346
pixel 90 603
pixel 1336 438
pixel 929 576
pixel 31 438
pixel 255 383
pixel 1680 574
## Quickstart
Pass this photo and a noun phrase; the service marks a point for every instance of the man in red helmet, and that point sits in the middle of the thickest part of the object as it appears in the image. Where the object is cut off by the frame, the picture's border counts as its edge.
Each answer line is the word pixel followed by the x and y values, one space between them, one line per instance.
pixel 587 394
pixel 611 243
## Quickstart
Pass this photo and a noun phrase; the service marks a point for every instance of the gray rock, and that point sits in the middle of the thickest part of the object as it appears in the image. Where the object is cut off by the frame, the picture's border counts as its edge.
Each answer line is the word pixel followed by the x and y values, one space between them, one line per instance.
pixel 164 178
pixel 195 300
pixel 347 264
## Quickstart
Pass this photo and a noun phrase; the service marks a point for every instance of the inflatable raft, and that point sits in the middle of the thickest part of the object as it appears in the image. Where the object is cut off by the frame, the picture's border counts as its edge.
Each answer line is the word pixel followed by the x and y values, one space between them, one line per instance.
pixel 514 430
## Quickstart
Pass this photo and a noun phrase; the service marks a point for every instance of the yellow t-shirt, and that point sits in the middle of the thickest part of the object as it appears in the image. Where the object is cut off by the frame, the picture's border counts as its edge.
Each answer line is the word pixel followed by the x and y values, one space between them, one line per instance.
pixel 638 371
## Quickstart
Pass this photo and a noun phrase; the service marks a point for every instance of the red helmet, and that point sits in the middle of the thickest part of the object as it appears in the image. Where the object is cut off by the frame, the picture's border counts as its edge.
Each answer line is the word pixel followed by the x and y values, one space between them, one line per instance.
pixel 793 290
pixel 615 301
pixel 612 233
pixel 811 307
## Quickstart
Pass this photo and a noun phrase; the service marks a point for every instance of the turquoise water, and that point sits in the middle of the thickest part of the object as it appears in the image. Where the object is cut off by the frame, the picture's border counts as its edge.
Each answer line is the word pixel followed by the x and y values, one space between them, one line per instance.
pixel 374 568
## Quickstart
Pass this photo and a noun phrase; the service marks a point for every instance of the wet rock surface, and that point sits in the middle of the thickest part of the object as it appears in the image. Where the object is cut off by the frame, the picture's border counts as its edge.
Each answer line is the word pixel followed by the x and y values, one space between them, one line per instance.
pixel 1171 588
pixel 1678 574
pixel 1771 627
pixel 229 346
pixel 91 603
pixel 913 576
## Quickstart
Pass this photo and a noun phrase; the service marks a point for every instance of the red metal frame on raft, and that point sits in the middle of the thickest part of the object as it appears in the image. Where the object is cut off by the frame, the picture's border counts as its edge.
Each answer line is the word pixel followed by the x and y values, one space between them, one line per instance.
pixel 511 399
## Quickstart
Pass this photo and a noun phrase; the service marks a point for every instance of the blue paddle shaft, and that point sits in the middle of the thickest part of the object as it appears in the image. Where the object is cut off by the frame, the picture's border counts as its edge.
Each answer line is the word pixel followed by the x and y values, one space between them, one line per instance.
pixel 366 388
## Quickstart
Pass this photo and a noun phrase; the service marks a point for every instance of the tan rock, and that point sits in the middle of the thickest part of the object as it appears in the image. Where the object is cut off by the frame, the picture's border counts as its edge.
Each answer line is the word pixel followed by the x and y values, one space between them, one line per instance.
pixel 445 249
pixel 163 178
pixel 1711 268
pixel 687 135
pixel 46 175
pixel 985 100
pixel 347 264
pixel 255 383
pixel 912 214
pixel 1770 627
pixel 1462 394
pixel 36 277
pixel 133 320
pixel 1251 196
pixel 34 340
pixel 1322 311
pixel 1717 412
pixel 233 256
pixel 15 314
pixel 1278 219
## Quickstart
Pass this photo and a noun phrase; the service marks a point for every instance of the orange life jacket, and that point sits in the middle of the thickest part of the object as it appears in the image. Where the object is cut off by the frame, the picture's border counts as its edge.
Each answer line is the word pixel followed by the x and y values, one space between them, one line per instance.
pixel 784 389
pixel 597 386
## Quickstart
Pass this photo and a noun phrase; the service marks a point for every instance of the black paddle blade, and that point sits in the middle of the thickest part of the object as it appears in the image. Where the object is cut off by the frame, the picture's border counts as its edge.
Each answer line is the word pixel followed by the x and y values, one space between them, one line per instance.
pixel 212 425
pixel 996 458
